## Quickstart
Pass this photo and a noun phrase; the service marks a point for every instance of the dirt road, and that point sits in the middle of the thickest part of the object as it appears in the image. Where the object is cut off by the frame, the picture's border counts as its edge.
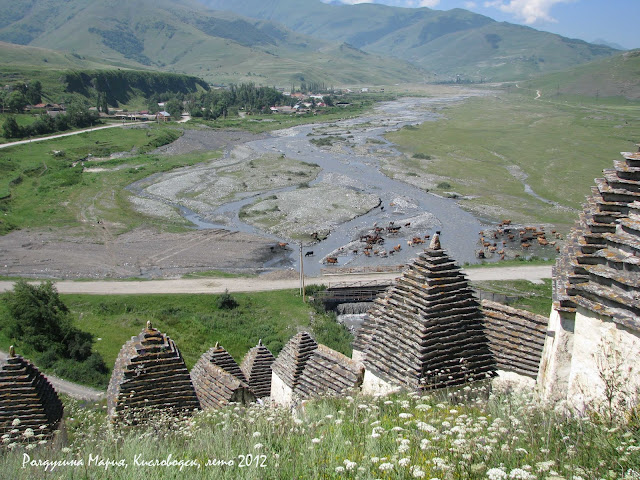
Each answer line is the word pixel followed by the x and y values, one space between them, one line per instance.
pixel 183 119
pixel 268 283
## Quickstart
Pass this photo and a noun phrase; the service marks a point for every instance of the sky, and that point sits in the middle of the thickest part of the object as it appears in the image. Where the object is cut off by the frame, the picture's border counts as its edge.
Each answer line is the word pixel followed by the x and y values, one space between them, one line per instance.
pixel 616 21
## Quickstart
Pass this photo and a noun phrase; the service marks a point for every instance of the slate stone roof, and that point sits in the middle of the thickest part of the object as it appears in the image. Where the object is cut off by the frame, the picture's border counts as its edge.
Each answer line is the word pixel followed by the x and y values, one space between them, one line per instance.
pixel 149 372
pixel 516 337
pixel 293 358
pixel 256 366
pixel 26 395
pixel 427 330
pixel 328 373
pixel 219 381
pixel 599 268
pixel 220 357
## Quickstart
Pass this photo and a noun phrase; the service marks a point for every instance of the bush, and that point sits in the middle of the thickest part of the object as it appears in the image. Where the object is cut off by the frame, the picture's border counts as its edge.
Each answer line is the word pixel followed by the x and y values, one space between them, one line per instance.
pixel 227 302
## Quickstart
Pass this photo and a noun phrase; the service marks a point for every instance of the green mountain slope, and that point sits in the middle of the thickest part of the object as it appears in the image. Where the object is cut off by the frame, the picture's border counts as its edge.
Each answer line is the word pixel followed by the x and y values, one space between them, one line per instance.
pixel 183 36
pixel 445 42
pixel 67 75
pixel 618 76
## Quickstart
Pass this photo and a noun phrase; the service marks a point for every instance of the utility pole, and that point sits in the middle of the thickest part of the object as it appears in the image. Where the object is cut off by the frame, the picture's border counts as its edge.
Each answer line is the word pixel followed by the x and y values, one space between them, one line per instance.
pixel 302 289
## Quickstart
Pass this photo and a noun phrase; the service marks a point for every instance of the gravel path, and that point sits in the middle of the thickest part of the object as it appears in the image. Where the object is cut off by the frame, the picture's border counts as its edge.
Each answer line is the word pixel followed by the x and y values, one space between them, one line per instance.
pixel 270 282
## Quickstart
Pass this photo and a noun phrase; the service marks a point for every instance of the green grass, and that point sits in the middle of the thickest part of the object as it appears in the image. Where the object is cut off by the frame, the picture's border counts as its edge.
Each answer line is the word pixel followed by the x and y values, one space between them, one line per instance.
pixel 196 323
pixel 44 189
pixel 560 147
pixel 516 262
pixel 533 297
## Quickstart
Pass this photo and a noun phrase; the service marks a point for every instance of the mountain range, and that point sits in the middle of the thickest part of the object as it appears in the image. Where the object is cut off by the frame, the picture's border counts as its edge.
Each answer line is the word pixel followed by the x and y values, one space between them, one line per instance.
pixel 447 43
pixel 292 41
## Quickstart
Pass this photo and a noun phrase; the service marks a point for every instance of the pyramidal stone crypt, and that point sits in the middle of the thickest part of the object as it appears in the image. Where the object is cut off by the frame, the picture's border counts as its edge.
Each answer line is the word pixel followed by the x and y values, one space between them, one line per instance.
pixel 427 331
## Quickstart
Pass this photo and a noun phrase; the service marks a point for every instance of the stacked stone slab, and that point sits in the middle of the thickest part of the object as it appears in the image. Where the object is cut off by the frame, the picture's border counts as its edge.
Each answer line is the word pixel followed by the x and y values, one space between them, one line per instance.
pixel 288 367
pixel 149 373
pixel 256 366
pixel 516 338
pixel 600 266
pixel 27 401
pixel 218 380
pixel 426 331
pixel 596 294
pixel 328 373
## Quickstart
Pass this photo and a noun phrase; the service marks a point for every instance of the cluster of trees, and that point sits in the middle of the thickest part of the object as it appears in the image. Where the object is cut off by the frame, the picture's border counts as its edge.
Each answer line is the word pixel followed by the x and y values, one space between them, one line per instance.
pixel 40 321
pixel 20 95
pixel 220 103
pixel 77 115
pixel 115 87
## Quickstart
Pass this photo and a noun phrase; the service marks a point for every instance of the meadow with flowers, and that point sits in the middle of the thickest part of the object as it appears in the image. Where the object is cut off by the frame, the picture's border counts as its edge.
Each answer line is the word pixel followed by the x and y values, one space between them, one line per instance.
pixel 475 432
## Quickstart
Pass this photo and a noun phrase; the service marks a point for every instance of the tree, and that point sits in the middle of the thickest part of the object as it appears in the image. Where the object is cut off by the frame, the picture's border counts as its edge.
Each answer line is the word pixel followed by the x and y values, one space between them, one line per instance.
pixel 78 115
pixel 11 129
pixel 174 107
pixel 16 102
pixel 34 93
pixel 40 319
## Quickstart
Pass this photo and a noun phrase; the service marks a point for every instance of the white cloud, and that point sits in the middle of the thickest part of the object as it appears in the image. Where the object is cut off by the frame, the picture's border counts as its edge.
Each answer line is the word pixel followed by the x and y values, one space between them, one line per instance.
pixel 529 11
pixel 470 5
pixel 429 3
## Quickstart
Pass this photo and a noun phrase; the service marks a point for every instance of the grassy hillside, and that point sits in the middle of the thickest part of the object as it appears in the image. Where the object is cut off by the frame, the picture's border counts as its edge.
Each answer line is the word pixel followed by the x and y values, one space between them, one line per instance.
pixel 618 76
pixel 489 149
pixel 444 42
pixel 67 75
pixel 21 56
pixel 182 36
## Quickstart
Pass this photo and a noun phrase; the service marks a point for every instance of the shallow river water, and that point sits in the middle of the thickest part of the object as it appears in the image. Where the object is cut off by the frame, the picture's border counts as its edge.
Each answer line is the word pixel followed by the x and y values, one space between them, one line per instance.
pixel 358 164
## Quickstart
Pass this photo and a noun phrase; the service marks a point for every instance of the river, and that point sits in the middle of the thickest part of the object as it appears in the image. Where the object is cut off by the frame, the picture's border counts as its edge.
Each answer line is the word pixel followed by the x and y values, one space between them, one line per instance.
pixel 358 163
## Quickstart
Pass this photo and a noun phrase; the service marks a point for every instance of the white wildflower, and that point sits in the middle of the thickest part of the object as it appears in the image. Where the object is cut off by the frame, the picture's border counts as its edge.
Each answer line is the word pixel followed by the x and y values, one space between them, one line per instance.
pixel 386 467
pixel 349 465
pixel 496 474
pixel 521 474
pixel 417 472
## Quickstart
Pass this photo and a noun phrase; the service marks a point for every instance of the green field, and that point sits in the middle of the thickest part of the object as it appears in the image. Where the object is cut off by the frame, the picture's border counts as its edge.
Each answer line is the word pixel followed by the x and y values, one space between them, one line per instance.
pixel 44 185
pixel 487 147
